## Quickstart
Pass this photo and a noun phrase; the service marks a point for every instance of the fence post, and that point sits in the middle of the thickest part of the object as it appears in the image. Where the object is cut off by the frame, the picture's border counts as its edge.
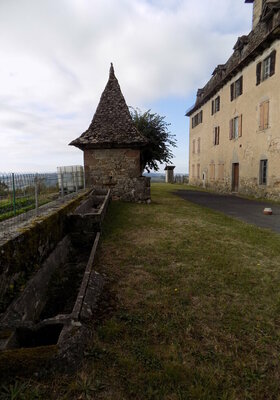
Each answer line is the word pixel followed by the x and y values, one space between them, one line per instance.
pixel 76 180
pixel 14 193
pixel 36 193
pixel 62 185
pixel 84 177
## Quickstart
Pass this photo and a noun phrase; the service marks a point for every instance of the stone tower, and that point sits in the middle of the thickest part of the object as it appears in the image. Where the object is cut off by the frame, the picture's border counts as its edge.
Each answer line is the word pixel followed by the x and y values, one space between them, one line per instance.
pixel 262 9
pixel 257 10
pixel 112 148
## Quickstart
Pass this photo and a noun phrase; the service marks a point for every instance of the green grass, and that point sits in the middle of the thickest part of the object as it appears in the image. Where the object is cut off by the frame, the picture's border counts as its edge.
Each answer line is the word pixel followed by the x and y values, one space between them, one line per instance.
pixel 196 311
pixel 22 205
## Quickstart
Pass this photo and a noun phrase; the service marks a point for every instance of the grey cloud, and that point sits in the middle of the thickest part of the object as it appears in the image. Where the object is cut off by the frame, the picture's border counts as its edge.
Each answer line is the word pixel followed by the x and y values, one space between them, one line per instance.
pixel 55 58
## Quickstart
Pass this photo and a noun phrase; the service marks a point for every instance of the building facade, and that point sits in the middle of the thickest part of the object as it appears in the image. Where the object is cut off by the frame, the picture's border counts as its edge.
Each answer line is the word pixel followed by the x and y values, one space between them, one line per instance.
pixel 235 122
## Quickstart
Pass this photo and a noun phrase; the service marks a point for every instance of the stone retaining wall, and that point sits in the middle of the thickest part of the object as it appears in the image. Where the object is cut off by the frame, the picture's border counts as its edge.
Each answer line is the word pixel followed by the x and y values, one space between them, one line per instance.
pixel 22 255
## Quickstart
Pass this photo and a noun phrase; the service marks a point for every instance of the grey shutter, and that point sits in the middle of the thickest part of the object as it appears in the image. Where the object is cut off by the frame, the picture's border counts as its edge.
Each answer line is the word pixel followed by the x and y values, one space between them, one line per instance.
pixel 231 91
pixel 241 84
pixel 240 125
pixel 218 103
pixel 258 73
pixel 272 62
pixel 231 129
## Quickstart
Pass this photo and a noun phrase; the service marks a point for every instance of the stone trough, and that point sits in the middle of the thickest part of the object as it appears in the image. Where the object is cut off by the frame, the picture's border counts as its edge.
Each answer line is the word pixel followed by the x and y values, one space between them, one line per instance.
pixel 64 292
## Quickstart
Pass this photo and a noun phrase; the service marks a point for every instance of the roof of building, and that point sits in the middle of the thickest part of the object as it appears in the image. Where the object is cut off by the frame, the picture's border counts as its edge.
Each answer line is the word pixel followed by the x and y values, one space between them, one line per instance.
pixel 246 49
pixel 112 125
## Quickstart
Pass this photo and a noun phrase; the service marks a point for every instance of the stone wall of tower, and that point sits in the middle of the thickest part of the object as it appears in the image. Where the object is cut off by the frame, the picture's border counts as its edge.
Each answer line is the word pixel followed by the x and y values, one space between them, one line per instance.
pixel 118 170
pixel 257 10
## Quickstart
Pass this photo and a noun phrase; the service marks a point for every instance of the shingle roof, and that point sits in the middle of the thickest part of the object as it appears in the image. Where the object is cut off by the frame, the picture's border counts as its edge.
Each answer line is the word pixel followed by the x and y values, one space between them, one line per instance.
pixel 112 125
pixel 246 49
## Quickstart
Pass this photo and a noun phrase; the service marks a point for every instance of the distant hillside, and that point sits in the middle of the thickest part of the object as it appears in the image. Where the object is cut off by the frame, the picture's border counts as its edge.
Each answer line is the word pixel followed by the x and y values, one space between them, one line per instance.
pixel 155 176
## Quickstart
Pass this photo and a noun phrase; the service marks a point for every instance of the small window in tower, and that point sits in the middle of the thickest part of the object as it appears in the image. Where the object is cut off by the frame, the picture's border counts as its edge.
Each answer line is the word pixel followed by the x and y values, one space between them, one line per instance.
pixel 263 172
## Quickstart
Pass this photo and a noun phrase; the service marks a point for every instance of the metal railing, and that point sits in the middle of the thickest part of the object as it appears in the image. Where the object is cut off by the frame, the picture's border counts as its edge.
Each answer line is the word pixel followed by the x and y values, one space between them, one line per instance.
pixel 21 193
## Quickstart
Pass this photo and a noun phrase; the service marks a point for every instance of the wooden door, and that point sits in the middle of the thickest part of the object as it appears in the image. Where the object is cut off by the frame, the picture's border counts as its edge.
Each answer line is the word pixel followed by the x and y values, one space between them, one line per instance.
pixel 235 177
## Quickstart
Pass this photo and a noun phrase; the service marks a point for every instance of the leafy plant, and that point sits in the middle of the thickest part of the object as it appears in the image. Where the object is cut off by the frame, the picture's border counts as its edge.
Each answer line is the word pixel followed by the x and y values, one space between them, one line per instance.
pixel 13 391
pixel 85 386
pixel 155 129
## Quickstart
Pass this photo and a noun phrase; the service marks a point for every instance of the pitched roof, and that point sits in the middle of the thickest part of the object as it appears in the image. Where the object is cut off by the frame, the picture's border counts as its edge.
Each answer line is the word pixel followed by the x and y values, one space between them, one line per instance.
pixel 112 125
pixel 246 49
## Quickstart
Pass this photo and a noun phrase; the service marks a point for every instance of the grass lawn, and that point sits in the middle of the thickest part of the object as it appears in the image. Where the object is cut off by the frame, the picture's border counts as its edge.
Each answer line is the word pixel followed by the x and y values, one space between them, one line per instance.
pixel 194 310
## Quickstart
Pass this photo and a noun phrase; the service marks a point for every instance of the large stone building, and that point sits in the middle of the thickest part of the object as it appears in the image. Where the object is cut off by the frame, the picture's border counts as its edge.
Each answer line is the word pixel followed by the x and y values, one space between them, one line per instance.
pixel 112 148
pixel 235 122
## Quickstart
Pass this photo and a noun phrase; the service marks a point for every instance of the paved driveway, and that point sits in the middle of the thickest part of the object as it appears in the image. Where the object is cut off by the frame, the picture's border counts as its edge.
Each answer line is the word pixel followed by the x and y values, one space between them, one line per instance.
pixel 246 210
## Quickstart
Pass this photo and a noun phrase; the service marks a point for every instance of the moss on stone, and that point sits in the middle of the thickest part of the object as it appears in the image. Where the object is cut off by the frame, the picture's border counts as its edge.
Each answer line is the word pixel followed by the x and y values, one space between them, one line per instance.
pixel 21 256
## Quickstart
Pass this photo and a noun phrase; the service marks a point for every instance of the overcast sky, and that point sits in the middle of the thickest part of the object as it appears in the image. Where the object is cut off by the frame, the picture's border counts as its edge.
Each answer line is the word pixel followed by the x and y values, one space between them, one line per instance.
pixel 55 57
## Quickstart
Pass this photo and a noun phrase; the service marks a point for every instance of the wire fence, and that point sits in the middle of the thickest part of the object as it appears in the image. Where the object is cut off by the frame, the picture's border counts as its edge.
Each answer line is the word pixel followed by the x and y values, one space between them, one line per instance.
pixel 182 179
pixel 22 195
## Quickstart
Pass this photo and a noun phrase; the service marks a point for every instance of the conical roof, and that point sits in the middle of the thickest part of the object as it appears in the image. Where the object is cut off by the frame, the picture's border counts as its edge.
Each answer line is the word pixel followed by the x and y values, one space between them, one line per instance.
pixel 112 125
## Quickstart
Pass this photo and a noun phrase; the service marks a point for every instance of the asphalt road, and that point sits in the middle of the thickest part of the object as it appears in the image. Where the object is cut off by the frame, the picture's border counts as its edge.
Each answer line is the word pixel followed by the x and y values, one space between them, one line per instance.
pixel 246 210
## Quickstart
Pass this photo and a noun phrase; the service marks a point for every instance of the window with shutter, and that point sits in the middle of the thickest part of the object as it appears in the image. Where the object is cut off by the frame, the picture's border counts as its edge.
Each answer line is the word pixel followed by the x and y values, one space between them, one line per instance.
pixel 197 119
pixel 198 171
pixel 193 148
pixel 235 127
pixel 215 105
pixel 266 68
pixel 198 145
pixel 236 88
